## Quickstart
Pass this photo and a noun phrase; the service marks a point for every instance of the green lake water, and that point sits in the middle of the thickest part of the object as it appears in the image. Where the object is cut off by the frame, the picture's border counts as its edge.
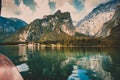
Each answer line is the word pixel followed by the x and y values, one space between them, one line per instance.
pixel 58 63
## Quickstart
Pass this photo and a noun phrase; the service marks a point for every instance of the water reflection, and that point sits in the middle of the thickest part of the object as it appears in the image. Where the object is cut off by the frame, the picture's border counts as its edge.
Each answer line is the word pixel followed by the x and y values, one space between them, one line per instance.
pixel 57 64
pixel 115 67
pixel 22 53
pixel 78 74
pixel 93 67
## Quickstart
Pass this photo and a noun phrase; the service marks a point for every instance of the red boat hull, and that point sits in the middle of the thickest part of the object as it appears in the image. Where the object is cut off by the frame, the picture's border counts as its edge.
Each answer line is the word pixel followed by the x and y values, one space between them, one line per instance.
pixel 8 70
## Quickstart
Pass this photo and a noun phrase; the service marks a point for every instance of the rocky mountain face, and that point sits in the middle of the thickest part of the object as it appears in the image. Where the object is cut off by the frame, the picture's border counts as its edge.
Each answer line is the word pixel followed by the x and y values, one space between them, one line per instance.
pixel 94 23
pixel 9 26
pixel 51 27
pixel 113 26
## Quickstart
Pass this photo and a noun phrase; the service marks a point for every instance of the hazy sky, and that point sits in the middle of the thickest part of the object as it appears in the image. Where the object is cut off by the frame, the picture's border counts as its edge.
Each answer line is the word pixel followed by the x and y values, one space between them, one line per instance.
pixel 28 10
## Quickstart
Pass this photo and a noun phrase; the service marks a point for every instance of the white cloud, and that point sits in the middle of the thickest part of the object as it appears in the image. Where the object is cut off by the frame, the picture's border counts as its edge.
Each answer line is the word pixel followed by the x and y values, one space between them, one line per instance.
pixel 9 9
pixel 26 13
pixel 9 6
pixel 42 9
pixel 60 2
pixel 76 15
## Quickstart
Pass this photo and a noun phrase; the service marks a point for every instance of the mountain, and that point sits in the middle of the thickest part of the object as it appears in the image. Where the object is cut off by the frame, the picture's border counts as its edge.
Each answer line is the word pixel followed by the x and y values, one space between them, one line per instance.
pixel 114 27
pixel 9 26
pixel 93 23
pixel 49 28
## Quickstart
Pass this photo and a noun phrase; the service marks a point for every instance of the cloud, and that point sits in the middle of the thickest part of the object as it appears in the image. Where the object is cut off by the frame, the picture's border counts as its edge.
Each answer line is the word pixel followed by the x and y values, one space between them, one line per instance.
pixel 52 5
pixel 78 4
pixel 30 3
pixel 76 15
pixel 78 8
pixel 28 15
pixel 17 2
pixel 25 11
pixel 9 6
pixel 60 3
pixel 28 11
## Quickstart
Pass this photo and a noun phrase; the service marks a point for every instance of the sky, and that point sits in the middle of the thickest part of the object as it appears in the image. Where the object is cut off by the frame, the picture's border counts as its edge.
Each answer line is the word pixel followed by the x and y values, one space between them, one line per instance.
pixel 29 10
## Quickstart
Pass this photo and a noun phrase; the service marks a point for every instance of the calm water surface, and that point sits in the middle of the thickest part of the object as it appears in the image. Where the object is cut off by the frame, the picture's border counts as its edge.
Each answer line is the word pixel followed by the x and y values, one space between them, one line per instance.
pixel 66 63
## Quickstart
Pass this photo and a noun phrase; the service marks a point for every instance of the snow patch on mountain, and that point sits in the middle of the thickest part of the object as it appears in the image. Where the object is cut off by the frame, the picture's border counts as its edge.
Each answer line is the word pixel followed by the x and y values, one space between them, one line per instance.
pixel 92 26
pixel 93 23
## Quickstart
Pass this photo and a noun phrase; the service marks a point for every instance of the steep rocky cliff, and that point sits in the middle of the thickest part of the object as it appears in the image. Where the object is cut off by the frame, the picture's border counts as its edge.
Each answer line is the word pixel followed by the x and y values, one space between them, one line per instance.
pixel 56 26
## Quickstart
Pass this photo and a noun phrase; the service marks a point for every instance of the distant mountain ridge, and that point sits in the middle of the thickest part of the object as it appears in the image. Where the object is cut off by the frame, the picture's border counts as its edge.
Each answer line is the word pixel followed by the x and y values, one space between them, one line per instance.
pixel 9 26
pixel 93 23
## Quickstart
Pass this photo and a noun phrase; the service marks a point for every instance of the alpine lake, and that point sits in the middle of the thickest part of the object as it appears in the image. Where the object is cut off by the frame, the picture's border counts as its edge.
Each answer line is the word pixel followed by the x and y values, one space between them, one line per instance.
pixel 65 63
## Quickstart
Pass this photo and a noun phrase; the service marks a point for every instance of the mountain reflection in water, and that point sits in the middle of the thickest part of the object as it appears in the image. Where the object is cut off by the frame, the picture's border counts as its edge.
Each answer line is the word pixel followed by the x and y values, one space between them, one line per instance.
pixel 91 68
pixel 78 74
pixel 57 64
